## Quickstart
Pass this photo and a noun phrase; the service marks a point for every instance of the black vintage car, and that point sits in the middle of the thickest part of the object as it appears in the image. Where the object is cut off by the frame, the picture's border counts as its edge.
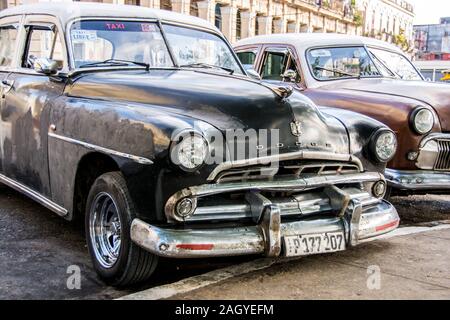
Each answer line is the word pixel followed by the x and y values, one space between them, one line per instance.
pixel 131 118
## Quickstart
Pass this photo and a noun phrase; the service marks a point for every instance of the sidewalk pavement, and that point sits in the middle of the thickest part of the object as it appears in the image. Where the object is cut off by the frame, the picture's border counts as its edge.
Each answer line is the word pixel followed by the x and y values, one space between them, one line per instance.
pixel 414 266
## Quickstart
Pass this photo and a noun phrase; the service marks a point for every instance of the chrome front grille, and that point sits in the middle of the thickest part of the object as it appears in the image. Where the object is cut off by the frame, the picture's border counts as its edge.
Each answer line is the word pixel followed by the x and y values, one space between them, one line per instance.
pixel 294 197
pixel 302 204
pixel 443 157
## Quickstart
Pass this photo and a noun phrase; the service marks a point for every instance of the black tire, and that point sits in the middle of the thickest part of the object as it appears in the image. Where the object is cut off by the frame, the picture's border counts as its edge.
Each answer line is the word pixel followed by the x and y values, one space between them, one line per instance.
pixel 132 264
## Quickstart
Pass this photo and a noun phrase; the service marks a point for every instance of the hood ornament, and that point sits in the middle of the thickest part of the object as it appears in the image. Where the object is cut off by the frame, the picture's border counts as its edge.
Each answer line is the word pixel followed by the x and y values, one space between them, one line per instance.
pixel 283 91
pixel 296 128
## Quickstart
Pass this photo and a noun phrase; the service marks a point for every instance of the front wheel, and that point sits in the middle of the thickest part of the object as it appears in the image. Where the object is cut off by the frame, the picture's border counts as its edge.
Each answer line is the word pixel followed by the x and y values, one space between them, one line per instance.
pixel 109 214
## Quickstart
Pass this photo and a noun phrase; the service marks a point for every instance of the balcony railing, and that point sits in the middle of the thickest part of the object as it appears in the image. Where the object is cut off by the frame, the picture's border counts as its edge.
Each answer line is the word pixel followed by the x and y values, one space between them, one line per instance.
pixel 336 7
pixel 404 4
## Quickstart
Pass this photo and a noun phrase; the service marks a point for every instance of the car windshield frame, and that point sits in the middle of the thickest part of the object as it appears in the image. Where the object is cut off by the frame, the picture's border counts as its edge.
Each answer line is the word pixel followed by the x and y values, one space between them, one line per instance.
pixel 311 70
pixel 160 24
pixel 401 55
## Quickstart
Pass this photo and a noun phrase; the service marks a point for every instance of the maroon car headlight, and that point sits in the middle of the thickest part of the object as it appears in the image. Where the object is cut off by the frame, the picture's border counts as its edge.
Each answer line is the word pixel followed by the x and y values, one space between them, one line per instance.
pixel 384 145
pixel 422 120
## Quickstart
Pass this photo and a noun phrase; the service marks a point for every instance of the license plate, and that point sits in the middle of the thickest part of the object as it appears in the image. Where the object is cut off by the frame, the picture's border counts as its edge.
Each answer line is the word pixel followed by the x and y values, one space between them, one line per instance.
pixel 304 245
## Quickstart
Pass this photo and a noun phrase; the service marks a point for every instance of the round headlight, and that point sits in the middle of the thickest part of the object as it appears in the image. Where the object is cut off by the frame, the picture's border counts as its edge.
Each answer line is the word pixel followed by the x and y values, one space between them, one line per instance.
pixel 189 151
pixel 422 120
pixel 384 145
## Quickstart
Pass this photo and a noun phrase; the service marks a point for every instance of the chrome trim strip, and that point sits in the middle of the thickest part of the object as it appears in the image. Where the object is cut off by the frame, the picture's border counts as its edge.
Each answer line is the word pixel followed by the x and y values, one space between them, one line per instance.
pixel 216 242
pixel 418 179
pixel 303 154
pixel 34 195
pixel 89 146
pixel 298 205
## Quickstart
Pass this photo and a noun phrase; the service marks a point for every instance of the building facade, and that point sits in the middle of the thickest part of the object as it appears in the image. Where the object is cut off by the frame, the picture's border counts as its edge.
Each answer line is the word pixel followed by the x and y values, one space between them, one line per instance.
pixel 433 41
pixel 245 18
pixel 389 20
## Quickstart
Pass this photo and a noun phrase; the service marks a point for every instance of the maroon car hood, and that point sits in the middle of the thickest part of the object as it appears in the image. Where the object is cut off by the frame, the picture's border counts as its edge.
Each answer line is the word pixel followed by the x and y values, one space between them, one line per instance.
pixel 434 94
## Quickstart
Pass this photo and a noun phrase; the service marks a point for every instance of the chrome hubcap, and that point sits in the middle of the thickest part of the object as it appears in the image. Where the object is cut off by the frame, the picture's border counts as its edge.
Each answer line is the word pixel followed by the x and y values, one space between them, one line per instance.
pixel 105 230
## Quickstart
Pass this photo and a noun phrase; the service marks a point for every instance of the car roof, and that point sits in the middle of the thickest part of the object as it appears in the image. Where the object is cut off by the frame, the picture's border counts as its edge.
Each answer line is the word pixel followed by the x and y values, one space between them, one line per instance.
pixel 67 11
pixel 304 41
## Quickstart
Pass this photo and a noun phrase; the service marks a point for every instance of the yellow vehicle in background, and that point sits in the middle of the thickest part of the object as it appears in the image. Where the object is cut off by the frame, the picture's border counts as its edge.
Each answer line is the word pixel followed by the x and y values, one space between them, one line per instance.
pixel 446 75
pixel 435 70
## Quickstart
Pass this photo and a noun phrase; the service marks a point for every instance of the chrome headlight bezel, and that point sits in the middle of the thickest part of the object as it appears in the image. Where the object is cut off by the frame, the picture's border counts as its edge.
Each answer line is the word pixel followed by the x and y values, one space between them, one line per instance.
pixel 375 147
pixel 179 156
pixel 415 116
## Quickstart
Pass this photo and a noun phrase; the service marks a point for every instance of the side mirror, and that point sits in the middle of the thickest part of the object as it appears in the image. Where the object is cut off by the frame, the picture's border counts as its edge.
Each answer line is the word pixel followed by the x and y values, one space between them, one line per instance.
pixel 289 75
pixel 45 66
pixel 253 74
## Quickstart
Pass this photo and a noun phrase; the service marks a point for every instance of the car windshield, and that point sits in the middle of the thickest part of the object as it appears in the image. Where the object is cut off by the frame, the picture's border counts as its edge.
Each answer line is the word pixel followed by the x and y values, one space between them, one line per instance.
pixel 196 48
pixel 121 43
pixel 98 41
pixel 397 63
pixel 336 63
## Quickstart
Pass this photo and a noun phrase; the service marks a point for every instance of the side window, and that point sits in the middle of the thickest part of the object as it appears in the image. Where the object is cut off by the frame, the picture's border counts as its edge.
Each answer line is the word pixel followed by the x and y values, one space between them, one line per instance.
pixel 43 42
pixel 274 65
pixel 8 40
pixel 247 58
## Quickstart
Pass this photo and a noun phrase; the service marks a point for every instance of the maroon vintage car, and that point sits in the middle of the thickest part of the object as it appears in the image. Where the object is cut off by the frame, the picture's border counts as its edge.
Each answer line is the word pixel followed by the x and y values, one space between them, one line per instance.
pixel 373 78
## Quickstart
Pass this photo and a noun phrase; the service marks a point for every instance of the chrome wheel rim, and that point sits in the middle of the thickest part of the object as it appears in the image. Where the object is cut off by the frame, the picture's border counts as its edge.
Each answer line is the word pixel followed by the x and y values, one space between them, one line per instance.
pixel 105 230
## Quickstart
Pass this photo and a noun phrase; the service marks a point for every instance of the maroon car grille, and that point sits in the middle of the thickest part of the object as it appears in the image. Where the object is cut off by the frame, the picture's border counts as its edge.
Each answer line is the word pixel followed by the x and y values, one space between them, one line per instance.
pixel 443 159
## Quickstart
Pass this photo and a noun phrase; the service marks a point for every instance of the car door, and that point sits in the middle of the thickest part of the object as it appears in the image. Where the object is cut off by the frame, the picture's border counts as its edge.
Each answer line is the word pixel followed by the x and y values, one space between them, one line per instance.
pixel 27 103
pixel 9 40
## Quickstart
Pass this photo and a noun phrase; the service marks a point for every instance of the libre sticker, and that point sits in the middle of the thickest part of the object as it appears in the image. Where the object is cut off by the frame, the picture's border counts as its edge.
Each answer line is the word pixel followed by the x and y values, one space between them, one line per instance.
pixel 320 53
pixel 148 27
pixel 83 35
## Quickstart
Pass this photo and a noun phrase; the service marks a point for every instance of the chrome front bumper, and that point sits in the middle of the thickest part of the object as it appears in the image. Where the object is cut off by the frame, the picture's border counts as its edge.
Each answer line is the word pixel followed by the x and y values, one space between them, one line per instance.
pixel 266 237
pixel 418 179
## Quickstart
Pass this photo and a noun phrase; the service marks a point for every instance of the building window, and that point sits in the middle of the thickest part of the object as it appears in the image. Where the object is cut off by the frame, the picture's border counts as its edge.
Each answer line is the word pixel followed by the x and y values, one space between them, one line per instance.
pixel 133 2
pixel 238 25
pixel 3 4
pixel 165 5
pixel 257 25
pixel 218 17
pixel 193 10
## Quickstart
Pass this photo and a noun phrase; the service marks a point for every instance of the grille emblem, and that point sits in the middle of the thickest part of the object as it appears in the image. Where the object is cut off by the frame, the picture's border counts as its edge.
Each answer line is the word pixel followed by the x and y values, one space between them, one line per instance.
pixel 296 128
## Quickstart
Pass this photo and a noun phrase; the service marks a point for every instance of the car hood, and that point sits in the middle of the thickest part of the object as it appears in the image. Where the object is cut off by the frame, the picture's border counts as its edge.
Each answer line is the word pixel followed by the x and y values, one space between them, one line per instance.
pixel 433 94
pixel 221 100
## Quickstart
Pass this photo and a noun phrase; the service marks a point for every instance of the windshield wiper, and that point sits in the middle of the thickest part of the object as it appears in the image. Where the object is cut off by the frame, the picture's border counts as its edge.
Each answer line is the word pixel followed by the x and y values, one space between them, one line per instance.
pixel 206 65
pixel 338 72
pixel 115 63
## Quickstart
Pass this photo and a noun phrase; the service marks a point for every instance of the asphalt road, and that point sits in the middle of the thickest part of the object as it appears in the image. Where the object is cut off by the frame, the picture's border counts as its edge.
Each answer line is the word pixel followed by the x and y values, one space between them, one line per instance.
pixel 37 248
